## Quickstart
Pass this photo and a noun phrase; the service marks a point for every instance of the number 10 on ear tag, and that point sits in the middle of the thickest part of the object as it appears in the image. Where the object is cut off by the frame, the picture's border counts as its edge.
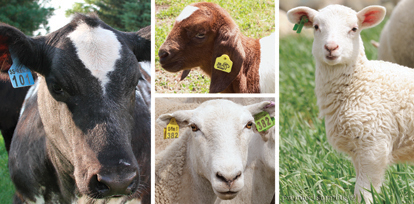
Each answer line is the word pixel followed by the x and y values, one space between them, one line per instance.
pixel 263 121
pixel 223 63
pixel 172 130
pixel 20 76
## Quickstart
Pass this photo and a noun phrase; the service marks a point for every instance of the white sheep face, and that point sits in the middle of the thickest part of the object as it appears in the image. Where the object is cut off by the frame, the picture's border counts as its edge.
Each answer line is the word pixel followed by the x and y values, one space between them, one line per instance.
pixel 220 134
pixel 337 30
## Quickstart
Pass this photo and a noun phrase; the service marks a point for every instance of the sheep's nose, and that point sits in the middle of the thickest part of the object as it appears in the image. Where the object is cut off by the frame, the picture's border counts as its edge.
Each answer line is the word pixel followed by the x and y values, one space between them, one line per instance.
pixel 228 179
pixel 331 47
pixel 163 54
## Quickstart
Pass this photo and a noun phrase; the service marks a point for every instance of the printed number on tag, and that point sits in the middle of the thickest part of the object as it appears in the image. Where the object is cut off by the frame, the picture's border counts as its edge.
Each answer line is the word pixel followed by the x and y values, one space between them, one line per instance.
pixel 172 130
pixel 20 76
pixel 223 63
pixel 263 121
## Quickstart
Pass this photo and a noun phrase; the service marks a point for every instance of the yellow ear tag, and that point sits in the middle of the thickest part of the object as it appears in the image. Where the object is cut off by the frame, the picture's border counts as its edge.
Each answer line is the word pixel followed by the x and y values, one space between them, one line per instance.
pixel 263 121
pixel 223 63
pixel 172 130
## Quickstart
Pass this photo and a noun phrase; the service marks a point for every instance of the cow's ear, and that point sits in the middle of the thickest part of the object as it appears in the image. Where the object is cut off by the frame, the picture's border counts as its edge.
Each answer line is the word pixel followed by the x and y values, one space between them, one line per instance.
pixel 140 43
pixel 15 47
pixel 182 117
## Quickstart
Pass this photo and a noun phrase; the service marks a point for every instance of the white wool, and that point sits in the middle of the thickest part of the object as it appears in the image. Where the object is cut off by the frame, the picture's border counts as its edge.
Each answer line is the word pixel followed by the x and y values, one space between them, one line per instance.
pixel 397 36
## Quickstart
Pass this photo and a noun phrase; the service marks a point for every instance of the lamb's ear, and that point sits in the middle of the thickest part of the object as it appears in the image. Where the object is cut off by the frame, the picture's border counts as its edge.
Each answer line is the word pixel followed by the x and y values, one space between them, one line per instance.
pixel 295 14
pixel 227 42
pixel 30 52
pixel 182 117
pixel 140 43
pixel 370 16
pixel 268 106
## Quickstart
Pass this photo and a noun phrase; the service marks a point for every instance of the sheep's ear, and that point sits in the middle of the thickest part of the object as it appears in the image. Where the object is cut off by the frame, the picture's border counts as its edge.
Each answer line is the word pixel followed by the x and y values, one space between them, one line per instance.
pixel 268 106
pixel 226 43
pixel 295 14
pixel 28 51
pixel 182 117
pixel 370 16
pixel 140 43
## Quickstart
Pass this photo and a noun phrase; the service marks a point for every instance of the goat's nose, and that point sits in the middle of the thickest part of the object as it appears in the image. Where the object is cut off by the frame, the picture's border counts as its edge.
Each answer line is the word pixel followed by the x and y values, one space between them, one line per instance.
pixel 331 47
pixel 106 185
pixel 228 179
pixel 163 54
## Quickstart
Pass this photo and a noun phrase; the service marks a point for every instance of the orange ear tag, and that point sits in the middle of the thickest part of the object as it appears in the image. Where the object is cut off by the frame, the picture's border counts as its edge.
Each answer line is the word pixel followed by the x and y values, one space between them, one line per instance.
pixel 223 63
pixel 172 130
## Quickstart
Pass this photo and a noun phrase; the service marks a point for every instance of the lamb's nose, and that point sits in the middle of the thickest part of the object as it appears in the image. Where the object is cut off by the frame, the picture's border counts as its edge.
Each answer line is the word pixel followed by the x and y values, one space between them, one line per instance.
pixel 331 47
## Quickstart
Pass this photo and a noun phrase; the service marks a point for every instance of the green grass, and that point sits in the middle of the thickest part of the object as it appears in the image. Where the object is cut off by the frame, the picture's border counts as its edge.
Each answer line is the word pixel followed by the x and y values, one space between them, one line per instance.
pixel 254 18
pixel 309 166
pixel 6 186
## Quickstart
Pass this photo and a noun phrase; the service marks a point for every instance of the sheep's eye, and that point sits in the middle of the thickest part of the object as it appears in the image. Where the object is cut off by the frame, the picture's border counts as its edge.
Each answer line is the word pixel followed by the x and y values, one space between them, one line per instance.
pixel 354 29
pixel 194 127
pixel 200 35
pixel 316 27
pixel 57 89
pixel 249 125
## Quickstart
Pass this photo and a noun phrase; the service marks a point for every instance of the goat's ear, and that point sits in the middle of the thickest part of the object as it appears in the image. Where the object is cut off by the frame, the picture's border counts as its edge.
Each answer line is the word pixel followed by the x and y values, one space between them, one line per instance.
pixel 370 16
pixel 140 43
pixel 182 117
pixel 268 106
pixel 295 14
pixel 227 42
pixel 30 52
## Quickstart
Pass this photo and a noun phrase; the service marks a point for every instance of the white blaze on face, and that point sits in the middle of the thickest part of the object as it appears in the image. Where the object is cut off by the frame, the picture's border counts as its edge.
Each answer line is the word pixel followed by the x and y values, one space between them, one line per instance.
pixel 98 49
pixel 188 10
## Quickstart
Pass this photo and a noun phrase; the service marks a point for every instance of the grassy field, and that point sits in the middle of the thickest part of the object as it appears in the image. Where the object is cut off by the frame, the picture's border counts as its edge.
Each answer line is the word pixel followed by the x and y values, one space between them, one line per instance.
pixel 310 168
pixel 254 18
pixel 6 186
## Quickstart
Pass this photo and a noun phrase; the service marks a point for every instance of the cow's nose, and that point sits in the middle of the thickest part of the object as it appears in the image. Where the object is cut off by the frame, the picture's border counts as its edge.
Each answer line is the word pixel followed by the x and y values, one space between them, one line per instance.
pixel 107 185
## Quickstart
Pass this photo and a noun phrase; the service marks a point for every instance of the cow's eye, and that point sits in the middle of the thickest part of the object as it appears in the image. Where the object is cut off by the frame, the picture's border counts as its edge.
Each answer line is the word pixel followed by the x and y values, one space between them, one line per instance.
pixel 57 89
pixel 194 127
pixel 249 125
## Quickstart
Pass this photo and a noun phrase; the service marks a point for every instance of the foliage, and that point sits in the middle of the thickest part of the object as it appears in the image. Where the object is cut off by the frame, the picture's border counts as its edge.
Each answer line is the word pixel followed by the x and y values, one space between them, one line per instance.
pixel 309 167
pixel 27 15
pixel 124 15
pixel 6 185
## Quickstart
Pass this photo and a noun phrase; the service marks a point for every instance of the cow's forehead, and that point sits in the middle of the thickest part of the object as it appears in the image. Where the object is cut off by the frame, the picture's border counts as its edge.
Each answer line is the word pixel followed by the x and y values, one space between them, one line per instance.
pixel 98 49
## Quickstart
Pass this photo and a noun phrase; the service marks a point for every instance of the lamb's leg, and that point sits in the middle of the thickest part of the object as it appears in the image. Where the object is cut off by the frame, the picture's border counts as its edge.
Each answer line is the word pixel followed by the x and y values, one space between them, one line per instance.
pixel 370 166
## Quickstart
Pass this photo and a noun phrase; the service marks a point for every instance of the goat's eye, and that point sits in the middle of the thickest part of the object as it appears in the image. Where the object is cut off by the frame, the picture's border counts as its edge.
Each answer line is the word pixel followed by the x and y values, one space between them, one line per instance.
pixel 57 89
pixel 249 125
pixel 194 127
pixel 200 35
pixel 316 27
pixel 354 29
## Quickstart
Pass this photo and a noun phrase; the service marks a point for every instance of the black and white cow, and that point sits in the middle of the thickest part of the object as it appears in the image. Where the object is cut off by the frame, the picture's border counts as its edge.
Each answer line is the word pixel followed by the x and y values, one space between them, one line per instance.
pixel 84 132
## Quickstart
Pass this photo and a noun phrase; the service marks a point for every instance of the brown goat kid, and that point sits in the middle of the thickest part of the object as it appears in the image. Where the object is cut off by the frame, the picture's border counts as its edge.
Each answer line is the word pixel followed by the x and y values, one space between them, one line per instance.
pixel 204 32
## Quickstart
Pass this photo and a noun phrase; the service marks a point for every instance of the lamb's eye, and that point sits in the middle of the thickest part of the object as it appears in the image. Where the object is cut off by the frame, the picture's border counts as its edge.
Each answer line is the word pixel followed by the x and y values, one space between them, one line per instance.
pixel 354 29
pixel 249 125
pixel 200 35
pixel 316 27
pixel 194 127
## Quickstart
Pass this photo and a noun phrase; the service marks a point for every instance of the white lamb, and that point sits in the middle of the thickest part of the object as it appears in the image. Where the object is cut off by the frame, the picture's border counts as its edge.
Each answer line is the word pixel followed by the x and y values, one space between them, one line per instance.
pixel 209 158
pixel 396 41
pixel 368 105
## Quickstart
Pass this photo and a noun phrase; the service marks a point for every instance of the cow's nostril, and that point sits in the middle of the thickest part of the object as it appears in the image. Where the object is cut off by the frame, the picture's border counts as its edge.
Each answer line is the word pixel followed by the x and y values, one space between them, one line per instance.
pixel 163 54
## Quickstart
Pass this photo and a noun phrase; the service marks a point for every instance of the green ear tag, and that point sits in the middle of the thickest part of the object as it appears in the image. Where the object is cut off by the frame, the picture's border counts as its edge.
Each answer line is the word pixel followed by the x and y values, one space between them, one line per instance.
pixel 223 63
pixel 172 130
pixel 298 27
pixel 263 121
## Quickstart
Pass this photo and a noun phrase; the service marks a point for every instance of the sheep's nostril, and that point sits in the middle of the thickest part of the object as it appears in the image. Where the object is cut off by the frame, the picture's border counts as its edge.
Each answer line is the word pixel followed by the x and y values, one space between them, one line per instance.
pixel 163 54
